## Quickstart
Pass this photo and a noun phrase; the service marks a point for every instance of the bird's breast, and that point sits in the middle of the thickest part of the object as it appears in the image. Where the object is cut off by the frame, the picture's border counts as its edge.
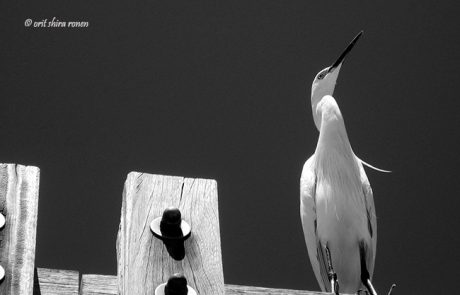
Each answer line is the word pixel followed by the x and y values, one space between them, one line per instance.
pixel 340 210
pixel 341 224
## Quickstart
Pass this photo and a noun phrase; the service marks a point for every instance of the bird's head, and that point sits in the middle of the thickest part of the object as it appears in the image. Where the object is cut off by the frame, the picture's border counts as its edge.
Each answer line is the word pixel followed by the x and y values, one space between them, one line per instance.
pixel 325 80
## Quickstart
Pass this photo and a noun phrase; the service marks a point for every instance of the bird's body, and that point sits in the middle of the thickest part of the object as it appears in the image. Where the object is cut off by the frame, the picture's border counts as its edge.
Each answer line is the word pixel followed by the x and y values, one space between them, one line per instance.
pixel 337 205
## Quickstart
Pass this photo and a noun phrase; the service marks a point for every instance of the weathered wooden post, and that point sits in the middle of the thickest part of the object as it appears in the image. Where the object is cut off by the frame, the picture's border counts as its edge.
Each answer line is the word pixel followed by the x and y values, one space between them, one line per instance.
pixel 19 204
pixel 143 261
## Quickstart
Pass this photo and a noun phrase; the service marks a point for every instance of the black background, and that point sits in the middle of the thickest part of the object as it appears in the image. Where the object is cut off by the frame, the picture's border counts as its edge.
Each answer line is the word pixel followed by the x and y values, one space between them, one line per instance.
pixel 222 90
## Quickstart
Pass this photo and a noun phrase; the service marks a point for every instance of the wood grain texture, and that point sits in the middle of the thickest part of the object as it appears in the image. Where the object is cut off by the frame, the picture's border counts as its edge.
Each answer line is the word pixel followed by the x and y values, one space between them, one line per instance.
pixel 19 203
pixel 143 262
pixel 247 290
pixel 56 282
pixel 98 285
pixel 107 285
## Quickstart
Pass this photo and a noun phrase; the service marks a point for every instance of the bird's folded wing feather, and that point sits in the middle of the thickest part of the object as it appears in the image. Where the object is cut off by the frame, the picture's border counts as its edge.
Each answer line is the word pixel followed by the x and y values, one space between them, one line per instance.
pixel 308 216
pixel 371 218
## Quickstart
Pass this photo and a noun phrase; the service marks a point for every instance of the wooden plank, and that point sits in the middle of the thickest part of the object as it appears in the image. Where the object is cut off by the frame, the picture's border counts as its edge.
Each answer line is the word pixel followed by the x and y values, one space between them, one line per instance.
pixel 143 262
pixel 98 285
pixel 19 203
pixel 56 282
pixel 247 290
pixel 108 286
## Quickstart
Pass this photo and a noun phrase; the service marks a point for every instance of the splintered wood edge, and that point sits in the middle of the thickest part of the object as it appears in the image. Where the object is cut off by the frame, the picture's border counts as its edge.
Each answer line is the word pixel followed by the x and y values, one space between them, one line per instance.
pixel 19 187
pixel 143 259
pixel 56 282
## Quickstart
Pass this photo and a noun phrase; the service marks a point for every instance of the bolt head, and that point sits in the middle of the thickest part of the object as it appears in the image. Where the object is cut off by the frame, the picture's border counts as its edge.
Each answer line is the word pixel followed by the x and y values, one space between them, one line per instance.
pixel 171 215
pixel 177 285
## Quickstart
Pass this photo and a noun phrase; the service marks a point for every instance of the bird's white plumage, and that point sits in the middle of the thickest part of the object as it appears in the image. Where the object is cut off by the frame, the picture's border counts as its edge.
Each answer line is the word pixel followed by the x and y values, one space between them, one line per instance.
pixel 372 217
pixel 337 206
pixel 308 215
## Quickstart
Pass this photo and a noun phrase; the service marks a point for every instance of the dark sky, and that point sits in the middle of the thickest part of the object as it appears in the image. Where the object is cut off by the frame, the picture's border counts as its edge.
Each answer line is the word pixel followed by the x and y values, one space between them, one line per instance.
pixel 222 90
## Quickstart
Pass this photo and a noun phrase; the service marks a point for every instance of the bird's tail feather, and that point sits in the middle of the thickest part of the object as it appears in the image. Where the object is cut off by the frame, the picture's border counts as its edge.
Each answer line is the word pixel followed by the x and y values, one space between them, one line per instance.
pixel 374 168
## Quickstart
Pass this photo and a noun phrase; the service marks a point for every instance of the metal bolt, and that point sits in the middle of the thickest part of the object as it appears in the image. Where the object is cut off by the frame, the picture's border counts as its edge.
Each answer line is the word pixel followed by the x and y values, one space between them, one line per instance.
pixel 176 285
pixel 173 231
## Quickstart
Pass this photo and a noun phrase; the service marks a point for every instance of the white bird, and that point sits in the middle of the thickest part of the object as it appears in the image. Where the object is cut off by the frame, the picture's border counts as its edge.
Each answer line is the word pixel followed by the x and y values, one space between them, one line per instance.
pixel 336 201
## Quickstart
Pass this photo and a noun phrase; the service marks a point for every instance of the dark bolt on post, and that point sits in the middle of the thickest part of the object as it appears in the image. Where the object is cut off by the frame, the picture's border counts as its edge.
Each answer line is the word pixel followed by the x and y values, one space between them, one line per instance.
pixel 177 285
pixel 173 231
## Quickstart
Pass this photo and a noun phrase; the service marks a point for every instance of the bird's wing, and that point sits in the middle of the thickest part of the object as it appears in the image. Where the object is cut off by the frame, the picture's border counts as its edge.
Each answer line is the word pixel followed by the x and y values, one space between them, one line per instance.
pixel 308 216
pixel 371 218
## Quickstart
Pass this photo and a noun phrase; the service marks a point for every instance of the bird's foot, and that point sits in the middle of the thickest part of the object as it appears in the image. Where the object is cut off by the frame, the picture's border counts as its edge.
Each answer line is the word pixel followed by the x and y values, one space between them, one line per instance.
pixel 362 291
pixel 332 275
pixel 391 289
pixel 334 282
pixel 336 287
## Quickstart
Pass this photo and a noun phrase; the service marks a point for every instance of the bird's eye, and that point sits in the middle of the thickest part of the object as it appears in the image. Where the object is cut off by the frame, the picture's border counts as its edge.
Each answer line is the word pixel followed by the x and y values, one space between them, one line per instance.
pixel 321 76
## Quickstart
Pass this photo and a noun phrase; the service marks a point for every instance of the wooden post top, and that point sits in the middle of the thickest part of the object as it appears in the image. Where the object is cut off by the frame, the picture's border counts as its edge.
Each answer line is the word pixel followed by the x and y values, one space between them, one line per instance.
pixel 143 261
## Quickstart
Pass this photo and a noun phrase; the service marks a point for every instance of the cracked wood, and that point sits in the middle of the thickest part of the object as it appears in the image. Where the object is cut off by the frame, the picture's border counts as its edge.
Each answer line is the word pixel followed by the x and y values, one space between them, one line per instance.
pixel 143 261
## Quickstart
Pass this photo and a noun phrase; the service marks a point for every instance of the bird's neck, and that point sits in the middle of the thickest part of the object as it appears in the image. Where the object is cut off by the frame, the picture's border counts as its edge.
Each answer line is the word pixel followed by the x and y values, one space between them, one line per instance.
pixel 334 158
pixel 333 145
pixel 315 99
pixel 317 94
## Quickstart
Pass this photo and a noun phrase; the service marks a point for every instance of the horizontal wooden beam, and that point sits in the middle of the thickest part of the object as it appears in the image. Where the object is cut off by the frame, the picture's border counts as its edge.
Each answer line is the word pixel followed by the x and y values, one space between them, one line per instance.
pixel 107 285
pixel 56 282
pixel 98 285
pixel 247 290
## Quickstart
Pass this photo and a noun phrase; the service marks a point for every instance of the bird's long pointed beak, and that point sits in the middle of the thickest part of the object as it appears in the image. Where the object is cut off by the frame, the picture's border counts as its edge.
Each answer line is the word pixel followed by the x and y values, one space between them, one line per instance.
pixel 347 50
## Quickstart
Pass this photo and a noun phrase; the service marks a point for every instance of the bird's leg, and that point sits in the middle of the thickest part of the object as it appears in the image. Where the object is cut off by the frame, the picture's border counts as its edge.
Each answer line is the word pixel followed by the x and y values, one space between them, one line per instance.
pixel 369 287
pixel 331 274
pixel 362 291
pixel 365 277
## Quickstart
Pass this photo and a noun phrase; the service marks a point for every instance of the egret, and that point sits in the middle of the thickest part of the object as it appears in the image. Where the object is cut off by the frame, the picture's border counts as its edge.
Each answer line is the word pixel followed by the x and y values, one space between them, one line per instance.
pixel 336 201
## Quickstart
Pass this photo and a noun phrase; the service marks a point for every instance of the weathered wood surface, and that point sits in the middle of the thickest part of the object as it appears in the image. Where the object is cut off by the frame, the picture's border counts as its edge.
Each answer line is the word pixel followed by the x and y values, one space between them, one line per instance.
pixel 246 290
pixel 98 285
pixel 143 261
pixel 107 285
pixel 56 282
pixel 19 203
